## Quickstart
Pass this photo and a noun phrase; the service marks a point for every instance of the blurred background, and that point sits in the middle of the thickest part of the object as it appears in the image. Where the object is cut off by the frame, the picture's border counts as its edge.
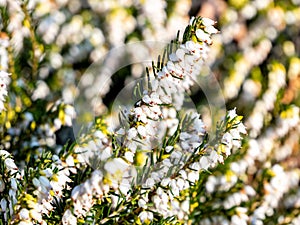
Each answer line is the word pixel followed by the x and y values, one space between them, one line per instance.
pixel 47 45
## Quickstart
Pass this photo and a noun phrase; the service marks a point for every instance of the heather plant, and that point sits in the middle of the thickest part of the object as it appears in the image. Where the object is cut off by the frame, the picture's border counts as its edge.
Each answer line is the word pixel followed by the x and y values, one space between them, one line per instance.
pixel 73 153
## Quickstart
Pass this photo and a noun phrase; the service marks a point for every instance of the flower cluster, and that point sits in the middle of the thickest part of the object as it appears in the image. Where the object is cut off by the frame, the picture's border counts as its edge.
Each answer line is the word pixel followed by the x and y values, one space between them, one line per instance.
pixel 168 86
pixel 167 198
pixel 120 165
pixel 9 180
pixel 176 166
pixel 49 184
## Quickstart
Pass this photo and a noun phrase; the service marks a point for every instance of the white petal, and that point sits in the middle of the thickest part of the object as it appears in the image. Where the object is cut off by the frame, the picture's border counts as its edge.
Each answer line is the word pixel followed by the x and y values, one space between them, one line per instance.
pixel 132 133
pixel 169 148
pixel 173 57
pixel 204 163
pixel 24 214
pixel 10 164
pixel 180 54
pixel 211 30
pixel 142 131
pixel 202 35
pixel 207 22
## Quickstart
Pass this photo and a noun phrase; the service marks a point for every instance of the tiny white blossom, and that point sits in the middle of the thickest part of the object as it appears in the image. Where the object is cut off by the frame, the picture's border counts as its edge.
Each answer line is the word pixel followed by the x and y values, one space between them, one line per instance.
pixel 169 148
pixel 190 46
pixel 132 133
pixel 68 218
pixel 36 182
pixel 115 165
pixel 24 214
pixel 146 216
pixel 207 22
pixel 201 35
pixel 241 128
pixel 13 183
pixel 146 99
pixel 48 172
pixel 44 181
pixel 180 53
pixel 232 114
pixel 185 206
pixel 149 183
pixel 211 30
pixel 165 182
pixel 227 139
pixel 142 203
pixel 193 176
pixel 35 214
pixel 142 131
pixel 173 57
pixel 4 153
pixel 204 162
pixel 129 156
pixel 75 192
pixel 192 20
pixel 10 164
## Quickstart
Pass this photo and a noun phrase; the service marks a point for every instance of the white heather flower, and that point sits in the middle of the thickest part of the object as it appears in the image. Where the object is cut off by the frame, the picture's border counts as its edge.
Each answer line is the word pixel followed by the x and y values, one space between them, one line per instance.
pixel 241 128
pixel 211 30
pixel 116 165
pixel 68 218
pixel 180 53
pixel 47 172
pixel 44 181
pixel 236 137
pixel 10 164
pixel 193 176
pixel 232 114
pixel 201 35
pixel 169 148
pixel 129 156
pixel 192 20
pixel 165 182
pixel 249 190
pixel 149 183
pixel 173 57
pixel 142 131
pixel 4 153
pixel 132 133
pixel 13 183
pixel 204 163
pixel 146 216
pixel 227 139
pixel 35 213
pixel 142 203
pixel 75 192
pixel 213 157
pixel 24 214
pixel 140 114
pixel 185 206
pixel 208 22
